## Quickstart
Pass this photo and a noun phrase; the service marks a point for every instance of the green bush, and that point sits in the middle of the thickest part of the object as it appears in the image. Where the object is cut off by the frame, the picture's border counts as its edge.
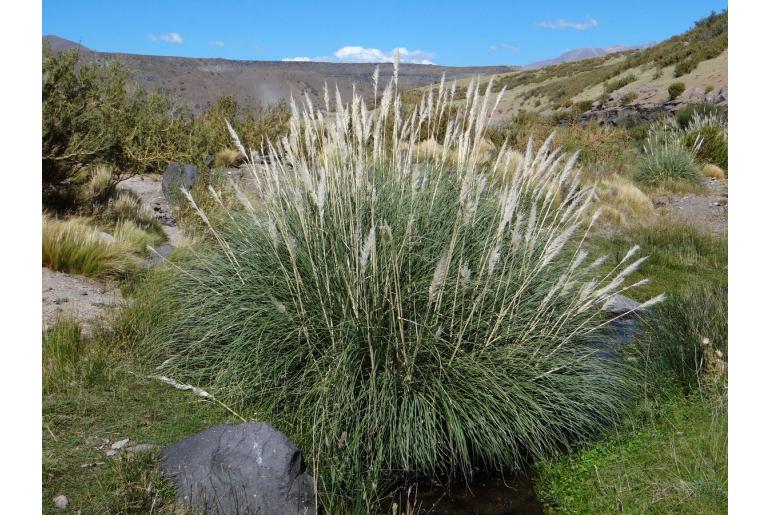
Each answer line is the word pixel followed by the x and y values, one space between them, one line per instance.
pixel 399 319
pixel 628 98
pixel 676 89
pixel 665 158
pixel 712 141
pixel 616 84
pixel 680 338
pixel 94 115
pixel 685 67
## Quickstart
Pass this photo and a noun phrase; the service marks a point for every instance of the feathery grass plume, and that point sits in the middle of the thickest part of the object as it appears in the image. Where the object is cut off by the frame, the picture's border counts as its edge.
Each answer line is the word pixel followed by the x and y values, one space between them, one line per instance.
pixel 427 368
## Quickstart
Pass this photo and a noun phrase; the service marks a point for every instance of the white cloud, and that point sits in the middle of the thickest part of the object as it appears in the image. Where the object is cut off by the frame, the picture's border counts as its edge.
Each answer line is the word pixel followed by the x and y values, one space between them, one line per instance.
pixel 171 37
pixel 358 54
pixel 218 43
pixel 301 59
pixel 561 23
pixel 504 46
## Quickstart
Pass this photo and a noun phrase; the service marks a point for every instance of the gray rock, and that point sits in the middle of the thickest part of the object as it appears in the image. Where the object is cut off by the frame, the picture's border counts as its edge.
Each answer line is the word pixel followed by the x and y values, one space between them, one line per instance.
pixel 620 305
pixel 106 237
pixel 61 502
pixel 245 468
pixel 120 444
pixel 140 448
pixel 178 176
pixel 159 256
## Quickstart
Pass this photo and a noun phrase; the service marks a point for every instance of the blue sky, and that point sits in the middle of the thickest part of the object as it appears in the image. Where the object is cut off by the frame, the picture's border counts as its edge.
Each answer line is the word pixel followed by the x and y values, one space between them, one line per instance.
pixel 449 32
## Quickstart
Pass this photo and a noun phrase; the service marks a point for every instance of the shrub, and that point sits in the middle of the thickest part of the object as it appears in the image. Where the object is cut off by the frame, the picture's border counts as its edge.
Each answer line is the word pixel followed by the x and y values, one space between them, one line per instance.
pixel 685 67
pixel 73 246
pixel 685 342
pixel 666 158
pixel 616 84
pixel 628 98
pixel 676 89
pixel 400 317
pixel 709 89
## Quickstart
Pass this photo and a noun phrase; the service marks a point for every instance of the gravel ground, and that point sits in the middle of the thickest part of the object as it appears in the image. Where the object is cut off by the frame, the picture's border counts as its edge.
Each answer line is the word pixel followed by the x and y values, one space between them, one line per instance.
pixel 709 212
pixel 76 296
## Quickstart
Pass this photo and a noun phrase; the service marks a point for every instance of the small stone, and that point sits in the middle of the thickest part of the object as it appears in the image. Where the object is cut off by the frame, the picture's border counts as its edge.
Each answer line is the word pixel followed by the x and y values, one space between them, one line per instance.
pixel 120 444
pixel 111 453
pixel 142 447
pixel 61 502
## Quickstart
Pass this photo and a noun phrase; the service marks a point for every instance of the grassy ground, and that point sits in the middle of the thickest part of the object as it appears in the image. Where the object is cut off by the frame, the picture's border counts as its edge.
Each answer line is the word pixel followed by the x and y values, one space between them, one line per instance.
pixel 671 459
pixel 671 455
pixel 680 256
pixel 93 397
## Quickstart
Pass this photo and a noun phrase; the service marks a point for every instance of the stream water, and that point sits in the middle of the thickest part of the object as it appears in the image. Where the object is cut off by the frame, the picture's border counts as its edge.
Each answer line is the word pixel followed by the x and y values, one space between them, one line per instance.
pixel 492 494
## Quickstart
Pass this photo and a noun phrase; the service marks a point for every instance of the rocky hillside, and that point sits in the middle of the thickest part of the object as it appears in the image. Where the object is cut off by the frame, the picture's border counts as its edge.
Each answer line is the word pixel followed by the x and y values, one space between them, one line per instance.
pixel 627 80
pixel 200 81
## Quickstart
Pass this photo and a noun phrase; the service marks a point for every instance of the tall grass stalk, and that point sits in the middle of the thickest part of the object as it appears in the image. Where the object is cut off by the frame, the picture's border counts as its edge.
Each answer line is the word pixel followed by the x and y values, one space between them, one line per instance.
pixel 398 316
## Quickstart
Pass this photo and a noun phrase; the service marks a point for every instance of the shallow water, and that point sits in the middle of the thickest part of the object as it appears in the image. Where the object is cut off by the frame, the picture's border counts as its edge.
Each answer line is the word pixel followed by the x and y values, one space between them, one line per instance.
pixel 493 494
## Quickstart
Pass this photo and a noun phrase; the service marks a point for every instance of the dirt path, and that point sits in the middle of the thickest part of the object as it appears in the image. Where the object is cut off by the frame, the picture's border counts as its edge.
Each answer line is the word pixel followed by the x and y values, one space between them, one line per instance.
pixel 88 299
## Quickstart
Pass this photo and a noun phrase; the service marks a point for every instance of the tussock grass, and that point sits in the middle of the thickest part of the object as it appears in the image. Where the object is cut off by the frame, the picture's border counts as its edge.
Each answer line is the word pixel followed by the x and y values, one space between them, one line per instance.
pixel 665 158
pixel 400 317
pixel 75 247
pixel 126 206
pixel 713 171
pixel 98 187
pixel 684 345
pixel 227 157
pixel 622 203
pixel 136 238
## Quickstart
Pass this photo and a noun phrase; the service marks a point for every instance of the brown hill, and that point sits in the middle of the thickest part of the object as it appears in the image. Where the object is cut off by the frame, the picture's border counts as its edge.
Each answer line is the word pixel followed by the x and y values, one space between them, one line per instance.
pixel 198 81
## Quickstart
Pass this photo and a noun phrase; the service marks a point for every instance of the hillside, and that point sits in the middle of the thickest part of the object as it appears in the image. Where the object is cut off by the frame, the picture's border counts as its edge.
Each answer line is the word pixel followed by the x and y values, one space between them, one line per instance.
pixel 633 78
pixel 584 53
pixel 200 81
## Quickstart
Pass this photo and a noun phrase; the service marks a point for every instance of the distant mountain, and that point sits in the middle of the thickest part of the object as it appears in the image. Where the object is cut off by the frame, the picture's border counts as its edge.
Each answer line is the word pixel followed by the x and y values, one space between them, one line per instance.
pixel 253 83
pixel 59 44
pixel 585 53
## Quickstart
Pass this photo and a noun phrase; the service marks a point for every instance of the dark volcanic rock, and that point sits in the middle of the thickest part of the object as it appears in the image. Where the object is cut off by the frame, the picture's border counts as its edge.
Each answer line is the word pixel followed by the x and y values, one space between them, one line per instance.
pixel 178 176
pixel 243 469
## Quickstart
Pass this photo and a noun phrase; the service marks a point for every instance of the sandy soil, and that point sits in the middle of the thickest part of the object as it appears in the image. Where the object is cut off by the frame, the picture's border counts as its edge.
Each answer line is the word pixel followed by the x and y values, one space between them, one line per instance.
pixel 76 296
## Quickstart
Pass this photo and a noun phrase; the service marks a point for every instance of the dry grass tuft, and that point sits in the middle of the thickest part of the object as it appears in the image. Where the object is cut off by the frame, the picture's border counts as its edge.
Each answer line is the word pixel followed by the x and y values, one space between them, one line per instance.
pixel 622 203
pixel 73 246
pixel 227 158
pixel 713 171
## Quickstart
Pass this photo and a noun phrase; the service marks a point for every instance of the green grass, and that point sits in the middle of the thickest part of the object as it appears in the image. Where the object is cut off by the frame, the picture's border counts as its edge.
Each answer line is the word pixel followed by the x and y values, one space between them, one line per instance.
pixel 671 455
pixel 681 256
pixel 672 459
pixel 93 394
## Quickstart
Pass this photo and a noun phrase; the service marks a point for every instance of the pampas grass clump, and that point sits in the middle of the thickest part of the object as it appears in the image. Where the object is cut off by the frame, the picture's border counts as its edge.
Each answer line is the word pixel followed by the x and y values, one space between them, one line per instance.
pixel 397 316
pixel 666 158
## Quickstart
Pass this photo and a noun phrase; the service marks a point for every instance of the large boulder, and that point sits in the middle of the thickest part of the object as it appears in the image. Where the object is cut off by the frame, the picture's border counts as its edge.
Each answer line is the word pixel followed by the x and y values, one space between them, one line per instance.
pixel 178 176
pixel 243 469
